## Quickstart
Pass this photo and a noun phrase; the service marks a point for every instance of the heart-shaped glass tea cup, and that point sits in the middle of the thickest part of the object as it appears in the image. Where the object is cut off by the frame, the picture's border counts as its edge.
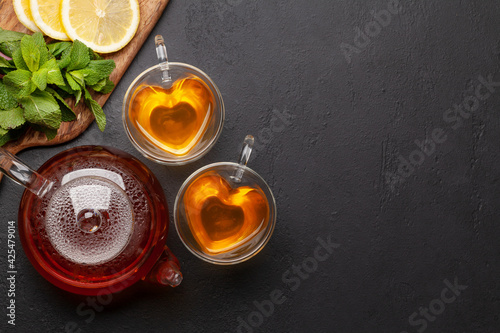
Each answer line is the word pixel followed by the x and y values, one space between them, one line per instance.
pixel 173 113
pixel 225 212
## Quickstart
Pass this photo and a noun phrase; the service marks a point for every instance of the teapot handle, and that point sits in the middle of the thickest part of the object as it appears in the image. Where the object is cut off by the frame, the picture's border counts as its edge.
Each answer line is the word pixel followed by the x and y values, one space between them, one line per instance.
pixel 166 271
pixel 22 174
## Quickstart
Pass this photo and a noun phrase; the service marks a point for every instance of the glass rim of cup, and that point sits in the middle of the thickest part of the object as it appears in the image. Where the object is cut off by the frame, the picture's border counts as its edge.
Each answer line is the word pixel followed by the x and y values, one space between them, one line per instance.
pixel 187 158
pixel 262 243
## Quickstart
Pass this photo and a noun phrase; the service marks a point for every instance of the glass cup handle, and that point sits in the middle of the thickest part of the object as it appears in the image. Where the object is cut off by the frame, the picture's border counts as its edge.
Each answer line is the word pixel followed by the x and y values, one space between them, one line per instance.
pixel 161 53
pixel 245 153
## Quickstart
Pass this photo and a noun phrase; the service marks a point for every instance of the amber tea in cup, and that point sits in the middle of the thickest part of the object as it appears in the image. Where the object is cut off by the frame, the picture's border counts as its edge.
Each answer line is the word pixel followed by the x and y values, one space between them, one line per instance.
pixel 173 119
pixel 173 113
pixel 221 217
pixel 225 212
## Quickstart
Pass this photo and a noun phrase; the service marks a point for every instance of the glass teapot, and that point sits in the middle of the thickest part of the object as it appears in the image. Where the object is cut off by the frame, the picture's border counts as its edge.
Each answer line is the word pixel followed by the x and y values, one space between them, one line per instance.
pixel 93 220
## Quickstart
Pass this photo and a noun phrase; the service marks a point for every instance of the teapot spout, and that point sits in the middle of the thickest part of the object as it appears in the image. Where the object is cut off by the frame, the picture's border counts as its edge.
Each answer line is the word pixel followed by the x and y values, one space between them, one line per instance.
pixel 166 271
pixel 22 174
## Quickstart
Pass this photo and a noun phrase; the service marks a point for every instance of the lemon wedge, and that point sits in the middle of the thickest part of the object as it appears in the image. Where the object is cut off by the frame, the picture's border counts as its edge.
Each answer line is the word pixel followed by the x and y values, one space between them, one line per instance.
pixel 46 16
pixel 23 13
pixel 103 25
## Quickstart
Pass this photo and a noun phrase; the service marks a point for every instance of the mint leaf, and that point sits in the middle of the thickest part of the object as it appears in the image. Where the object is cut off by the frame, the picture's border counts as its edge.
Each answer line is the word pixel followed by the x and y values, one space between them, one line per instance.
pixel 10 36
pixel 58 48
pixel 4 71
pixel 99 115
pixel 41 108
pixel 54 75
pixel 4 63
pixel 94 56
pixel 96 71
pixel 104 86
pixel 72 83
pixel 66 112
pixel 79 56
pixel 65 58
pixel 40 78
pixel 66 89
pixel 104 67
pixel 88 96
pixel 8 48
pixel 96 109
pixel 12 118
pixel 10 135
pixel 4 138
pixel 50 133
pixel 7 101
pixel 18 59
pixel 99 85
pixel 19 83
pixel 78 77
pixel 78 96
pixel 42 47
pixel 30 52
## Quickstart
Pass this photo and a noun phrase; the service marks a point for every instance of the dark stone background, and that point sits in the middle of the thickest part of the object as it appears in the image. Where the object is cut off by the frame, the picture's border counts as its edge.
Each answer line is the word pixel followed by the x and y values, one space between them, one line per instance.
pixel 329 168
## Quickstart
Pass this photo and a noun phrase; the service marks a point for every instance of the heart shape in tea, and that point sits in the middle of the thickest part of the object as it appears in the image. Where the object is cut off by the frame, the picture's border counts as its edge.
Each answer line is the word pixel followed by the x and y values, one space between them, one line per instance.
pixel 222 218
pixel 180 121
pixel 173 119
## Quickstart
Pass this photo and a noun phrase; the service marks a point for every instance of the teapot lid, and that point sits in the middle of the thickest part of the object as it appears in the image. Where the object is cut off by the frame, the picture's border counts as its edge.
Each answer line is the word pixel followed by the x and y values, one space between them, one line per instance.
pixel 90 218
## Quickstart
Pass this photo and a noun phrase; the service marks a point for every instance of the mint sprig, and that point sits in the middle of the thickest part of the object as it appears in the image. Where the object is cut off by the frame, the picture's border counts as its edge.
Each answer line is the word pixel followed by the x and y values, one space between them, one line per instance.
pixel 38 78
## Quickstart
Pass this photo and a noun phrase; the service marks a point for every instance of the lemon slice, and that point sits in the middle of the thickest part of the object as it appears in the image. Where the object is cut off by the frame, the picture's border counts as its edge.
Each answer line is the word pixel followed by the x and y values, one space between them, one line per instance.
pixel 46 16
pixel 23 12
pixel 103 25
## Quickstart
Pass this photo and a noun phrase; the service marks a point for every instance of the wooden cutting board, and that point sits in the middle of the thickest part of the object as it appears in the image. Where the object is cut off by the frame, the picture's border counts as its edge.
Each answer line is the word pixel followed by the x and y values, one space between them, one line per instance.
pixel 150 13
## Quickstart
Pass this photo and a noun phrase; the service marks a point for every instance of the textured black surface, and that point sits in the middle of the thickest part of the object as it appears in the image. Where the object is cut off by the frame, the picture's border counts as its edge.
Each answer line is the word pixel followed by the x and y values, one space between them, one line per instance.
pixel 331 165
